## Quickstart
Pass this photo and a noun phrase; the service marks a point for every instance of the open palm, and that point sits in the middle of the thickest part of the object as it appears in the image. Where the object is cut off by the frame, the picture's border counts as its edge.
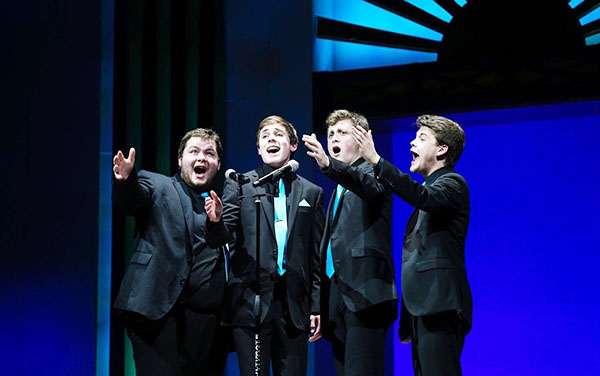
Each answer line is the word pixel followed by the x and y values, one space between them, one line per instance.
pixel 122 166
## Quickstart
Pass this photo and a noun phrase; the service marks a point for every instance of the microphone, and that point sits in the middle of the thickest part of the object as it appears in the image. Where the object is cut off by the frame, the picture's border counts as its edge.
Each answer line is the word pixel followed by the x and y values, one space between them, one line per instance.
pixel 277 174
pixel 238 178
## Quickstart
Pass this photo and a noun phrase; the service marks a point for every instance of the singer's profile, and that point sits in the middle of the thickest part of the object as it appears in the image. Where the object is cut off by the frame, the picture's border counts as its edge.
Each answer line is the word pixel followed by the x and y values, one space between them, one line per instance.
pixel 436 296
pixel 291 226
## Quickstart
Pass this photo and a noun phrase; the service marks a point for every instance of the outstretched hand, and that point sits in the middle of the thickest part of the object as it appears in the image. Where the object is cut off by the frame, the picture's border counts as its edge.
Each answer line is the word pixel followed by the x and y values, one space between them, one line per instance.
pixel 213 207
pixel 315 150
pixel 122 166
pixel 364 139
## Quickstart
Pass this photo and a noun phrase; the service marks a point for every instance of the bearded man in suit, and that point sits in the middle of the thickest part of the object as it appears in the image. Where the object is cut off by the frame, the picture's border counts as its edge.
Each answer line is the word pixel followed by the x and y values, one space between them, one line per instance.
pixel 171 295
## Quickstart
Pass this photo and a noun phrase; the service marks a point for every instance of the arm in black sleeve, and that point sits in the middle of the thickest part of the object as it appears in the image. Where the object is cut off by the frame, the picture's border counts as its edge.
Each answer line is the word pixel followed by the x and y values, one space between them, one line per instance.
pixel 359 179
pixel 217 234
pixel 231 211
pixel 133 194
pixel 447 193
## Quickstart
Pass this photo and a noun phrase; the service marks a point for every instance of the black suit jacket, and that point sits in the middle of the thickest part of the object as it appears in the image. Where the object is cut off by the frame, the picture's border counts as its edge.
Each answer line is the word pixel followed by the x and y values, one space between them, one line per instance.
pixel 434 277
pixel 360 239
pixel 161 263
pixel 305 228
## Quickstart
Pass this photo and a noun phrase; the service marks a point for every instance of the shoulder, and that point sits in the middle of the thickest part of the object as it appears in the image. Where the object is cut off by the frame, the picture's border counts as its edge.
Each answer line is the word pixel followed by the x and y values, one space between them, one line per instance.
pixel 452 176
pixel 156 179
pixel 454 181
pixel 307 184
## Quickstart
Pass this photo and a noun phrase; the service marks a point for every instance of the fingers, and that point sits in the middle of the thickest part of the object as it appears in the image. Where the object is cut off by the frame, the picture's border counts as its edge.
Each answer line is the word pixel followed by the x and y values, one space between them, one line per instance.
pixel 131 156
pixel 310 142
pixel 118 157
pixel 215 198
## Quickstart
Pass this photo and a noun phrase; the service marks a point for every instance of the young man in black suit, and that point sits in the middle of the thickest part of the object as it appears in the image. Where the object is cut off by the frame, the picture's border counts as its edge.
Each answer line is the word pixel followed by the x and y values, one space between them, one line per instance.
pixel 291 226
pixel 359 285
pixel 436 297
pixel 171 295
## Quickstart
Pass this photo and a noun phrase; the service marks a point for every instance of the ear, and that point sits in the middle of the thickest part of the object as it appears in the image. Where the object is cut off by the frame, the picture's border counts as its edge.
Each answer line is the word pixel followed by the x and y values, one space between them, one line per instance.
pixel 219 165
pixel 293 147
pixel 179 162
pixel 442 149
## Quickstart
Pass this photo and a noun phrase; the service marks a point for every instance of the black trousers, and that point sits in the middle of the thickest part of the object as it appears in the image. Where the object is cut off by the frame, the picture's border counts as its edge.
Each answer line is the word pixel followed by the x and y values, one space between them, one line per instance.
pixel 281 342
pixel 184 342
pixel 357 338
pixel 437 343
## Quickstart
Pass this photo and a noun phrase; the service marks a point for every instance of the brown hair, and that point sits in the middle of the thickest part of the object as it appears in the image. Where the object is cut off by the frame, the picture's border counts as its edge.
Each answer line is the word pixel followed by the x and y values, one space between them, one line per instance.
pixel 274 119
pixel 447 132
pixel 339 115
pixel 205 134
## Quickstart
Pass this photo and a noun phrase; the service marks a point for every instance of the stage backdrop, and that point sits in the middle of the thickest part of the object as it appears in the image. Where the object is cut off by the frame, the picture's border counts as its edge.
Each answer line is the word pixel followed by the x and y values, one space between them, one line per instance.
pixel 532 252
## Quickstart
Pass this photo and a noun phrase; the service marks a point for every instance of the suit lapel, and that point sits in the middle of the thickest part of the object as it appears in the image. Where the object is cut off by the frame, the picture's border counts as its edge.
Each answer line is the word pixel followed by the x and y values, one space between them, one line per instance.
pixel 412 221
pixel 295 196
pixel 186 206
pixel 339 206
pixel 267 209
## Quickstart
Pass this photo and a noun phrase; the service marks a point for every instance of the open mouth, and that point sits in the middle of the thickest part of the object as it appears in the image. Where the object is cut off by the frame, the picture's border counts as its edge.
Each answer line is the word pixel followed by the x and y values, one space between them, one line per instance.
pixel 199 170
pixel 336 149
pixel 273 149
pixel 415 155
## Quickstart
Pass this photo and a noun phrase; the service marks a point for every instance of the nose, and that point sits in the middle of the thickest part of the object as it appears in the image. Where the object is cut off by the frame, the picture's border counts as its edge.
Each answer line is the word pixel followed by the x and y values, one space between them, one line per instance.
pixel 412 143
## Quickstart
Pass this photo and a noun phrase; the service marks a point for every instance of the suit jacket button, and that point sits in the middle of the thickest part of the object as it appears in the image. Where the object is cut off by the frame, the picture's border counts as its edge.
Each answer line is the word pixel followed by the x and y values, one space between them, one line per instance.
pixel 274 252
pixel 182 281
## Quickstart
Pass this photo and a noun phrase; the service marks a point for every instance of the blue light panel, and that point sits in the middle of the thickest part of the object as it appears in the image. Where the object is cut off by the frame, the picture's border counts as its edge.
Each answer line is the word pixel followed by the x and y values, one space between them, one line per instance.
pixel 359 12
pixel 594 39
pixel 574 3
pixel 347 55
pixel 590 17
pixel 462 3
pixel 432 8
pixel 336 55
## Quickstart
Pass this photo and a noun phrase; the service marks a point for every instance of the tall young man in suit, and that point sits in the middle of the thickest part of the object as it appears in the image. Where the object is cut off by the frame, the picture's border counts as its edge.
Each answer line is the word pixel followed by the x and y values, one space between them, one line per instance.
pixel 171 295
pixel 359 285
pixel 436 297
pixel 291 226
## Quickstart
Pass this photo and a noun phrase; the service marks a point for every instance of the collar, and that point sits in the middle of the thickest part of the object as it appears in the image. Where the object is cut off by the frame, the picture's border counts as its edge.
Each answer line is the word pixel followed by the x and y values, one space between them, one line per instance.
pixel 436 174
pixel 357 162
pixel 188 190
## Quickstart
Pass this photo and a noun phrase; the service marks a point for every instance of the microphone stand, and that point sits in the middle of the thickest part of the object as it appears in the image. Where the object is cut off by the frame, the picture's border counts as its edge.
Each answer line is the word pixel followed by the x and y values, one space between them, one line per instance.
pixel 257 306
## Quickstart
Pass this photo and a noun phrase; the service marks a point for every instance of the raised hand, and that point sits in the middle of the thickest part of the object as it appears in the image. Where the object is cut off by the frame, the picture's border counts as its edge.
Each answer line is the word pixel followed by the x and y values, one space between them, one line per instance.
pixel 315 150
pixel 213 207
pixel 122 166
pixel 364 139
